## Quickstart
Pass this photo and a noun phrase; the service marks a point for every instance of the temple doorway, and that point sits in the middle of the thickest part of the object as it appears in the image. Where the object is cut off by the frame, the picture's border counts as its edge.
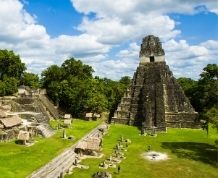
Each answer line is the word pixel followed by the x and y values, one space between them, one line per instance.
pixel 151 58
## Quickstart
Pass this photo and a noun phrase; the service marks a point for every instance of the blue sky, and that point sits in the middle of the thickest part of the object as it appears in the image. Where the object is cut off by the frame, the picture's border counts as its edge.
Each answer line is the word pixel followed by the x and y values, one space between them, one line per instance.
pixel 58 16
pixel 198 27
pixel 107 34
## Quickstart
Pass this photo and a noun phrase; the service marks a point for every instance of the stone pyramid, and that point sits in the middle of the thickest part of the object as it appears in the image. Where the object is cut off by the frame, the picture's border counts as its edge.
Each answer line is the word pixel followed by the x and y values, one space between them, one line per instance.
pixel 154 99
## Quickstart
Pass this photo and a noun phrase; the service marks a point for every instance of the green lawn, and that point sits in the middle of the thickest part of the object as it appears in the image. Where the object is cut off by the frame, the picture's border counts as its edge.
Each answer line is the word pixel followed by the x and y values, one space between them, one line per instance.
pixel 19 161
pixel 191 153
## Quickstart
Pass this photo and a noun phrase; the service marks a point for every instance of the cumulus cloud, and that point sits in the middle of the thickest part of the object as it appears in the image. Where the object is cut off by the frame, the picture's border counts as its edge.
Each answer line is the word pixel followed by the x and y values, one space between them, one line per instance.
pixel 80 46
pixel 21 32
pixel 115 24
pixel 183 59
pixel 128 21
pixel 122 20
pixel 123 8
pixel 189 60
pixel 114 31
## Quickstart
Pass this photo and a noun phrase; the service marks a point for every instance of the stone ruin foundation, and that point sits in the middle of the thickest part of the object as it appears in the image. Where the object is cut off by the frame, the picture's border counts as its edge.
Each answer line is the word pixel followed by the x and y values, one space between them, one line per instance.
pixel 155 99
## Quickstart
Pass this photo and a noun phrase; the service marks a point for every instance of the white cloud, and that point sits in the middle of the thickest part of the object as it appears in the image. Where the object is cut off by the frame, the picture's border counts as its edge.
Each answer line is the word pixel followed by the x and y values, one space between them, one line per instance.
pixel 21 32
pixel 123 64
pixel 127 21
pixel 183 59
pixel 189 60
pixel 114 31
pixel 116 23
pixel 124 8
pixel 123 20
pixel 82 45
pixel 17 25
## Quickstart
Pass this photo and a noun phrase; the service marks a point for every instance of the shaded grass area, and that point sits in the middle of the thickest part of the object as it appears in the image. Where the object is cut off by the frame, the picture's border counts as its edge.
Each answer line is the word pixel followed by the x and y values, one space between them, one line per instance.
pixel 196 151
pixel 19 161
pixel 191 154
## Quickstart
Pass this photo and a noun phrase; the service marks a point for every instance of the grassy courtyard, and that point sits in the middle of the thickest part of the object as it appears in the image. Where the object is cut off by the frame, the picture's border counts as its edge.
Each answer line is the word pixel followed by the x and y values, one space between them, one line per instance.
pixel 191 154
pixel 19 161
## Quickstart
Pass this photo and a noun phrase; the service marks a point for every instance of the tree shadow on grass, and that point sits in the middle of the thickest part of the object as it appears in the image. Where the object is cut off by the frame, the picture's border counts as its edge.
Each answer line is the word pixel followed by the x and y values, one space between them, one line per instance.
pixel 197 151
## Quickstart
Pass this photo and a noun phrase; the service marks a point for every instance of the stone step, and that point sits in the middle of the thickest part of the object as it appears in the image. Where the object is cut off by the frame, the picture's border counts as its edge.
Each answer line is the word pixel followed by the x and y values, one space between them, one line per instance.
pixel 49 105
pixel 45 130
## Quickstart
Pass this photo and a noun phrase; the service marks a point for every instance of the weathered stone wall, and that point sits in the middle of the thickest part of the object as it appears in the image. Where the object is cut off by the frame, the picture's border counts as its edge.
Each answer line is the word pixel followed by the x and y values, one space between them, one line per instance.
pixel 182 120
pixel 154 94
pixel 147 100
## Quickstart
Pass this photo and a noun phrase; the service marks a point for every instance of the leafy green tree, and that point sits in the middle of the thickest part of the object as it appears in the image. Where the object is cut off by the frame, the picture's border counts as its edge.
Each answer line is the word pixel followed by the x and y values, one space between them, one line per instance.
pixel 208 95
pixel 11 84
pixel 126 80
pixel 68 85
pixel 77 92
pixel 10 65
pixel 190 87
pixel 11 70
pixel 187 84
pixel 208 87
pixel 52 73
pixel 96 100
pixel 72 67
pixel 203 93
pixel 30 79
pixel 2 88
pixel 212 115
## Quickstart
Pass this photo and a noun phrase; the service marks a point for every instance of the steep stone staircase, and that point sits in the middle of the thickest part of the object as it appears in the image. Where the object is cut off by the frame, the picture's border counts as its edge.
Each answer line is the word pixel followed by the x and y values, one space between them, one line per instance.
pixel 39 107
pixel 50 106
pixel 45 130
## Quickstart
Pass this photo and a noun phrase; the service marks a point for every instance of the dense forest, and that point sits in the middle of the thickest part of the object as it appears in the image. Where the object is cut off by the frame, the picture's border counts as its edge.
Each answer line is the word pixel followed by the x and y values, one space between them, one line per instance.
pixel 203 94
pixel 73 86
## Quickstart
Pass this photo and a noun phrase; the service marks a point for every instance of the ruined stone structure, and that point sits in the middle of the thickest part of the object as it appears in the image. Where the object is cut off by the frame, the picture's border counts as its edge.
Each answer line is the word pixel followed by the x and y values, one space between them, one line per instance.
pixel 154 99
pixel 27 113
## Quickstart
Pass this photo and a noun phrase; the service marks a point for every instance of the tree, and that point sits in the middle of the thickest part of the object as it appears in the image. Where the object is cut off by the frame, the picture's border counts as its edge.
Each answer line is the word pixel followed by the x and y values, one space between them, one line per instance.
pixel 11 84
pixel 212 115
pixel 126 80
pixel 208 87
pixel 30 79
pixel 11 70
pixel 187 84
pixel 96 100
pixel 73 86
pixel 208 95
pixel 68 85
pixel 10 65
pixel 2 88
pixel 210 73
pixel 190 87
pixel 52 73
pixel 72 67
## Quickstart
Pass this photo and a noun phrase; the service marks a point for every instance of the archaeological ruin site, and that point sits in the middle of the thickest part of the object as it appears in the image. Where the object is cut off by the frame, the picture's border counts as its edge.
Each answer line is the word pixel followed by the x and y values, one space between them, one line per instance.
pixel 56 144
pixel 26 115
pixel 154 99
pixel 108 89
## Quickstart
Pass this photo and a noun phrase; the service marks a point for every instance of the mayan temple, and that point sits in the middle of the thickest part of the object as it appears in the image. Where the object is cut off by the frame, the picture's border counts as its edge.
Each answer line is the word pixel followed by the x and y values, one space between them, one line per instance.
pixel 154 98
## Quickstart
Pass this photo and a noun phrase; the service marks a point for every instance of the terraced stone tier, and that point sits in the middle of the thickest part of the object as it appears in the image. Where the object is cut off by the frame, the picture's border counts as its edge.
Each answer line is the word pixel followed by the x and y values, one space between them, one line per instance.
pixel 154 93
